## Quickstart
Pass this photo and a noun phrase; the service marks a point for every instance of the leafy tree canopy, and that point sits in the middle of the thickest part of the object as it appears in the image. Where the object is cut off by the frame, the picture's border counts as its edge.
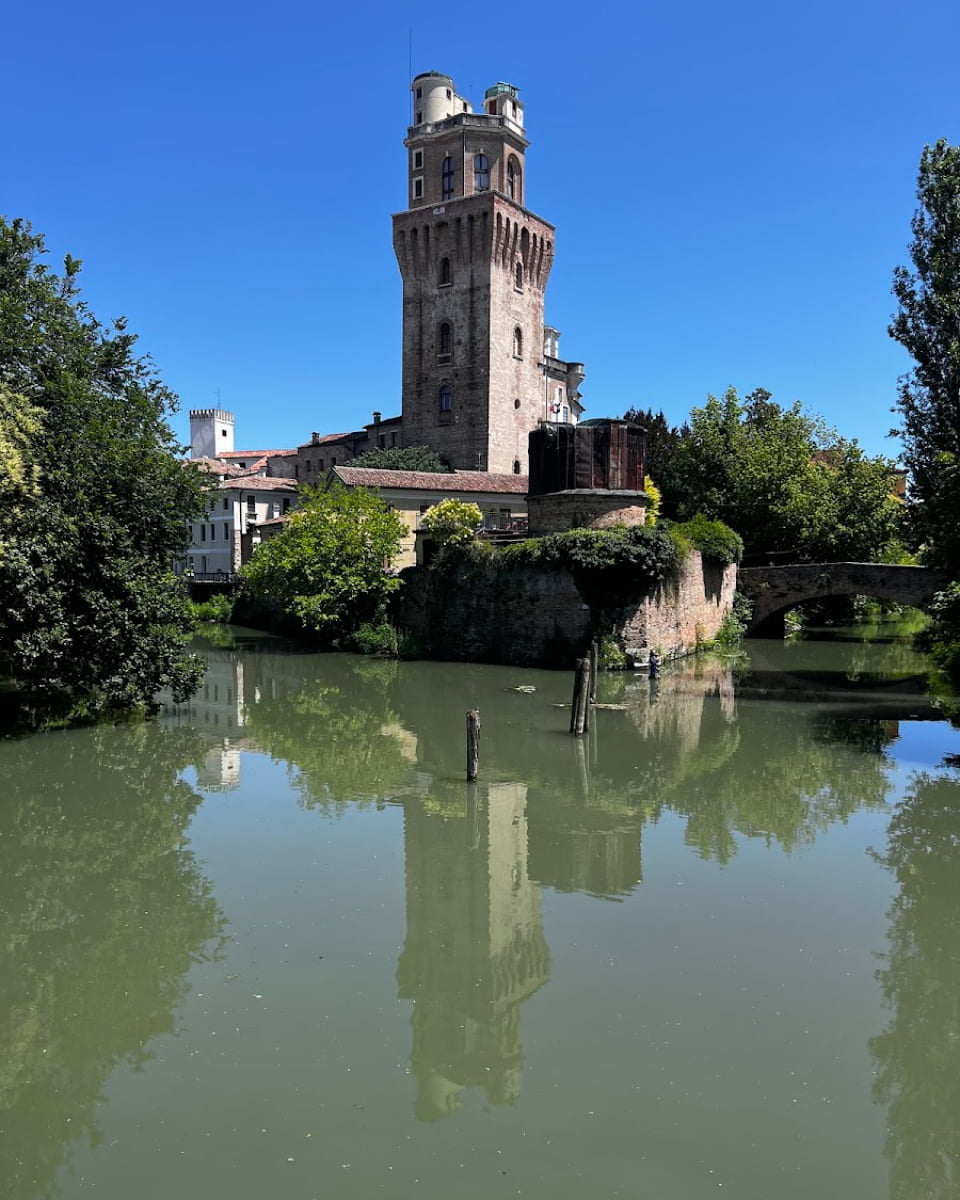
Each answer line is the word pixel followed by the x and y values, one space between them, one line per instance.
pixel 92 613
pixel 660 445
pixel 327 571
pixel 452 522
pixel 401 458
pixel 927 325
pixel 784 480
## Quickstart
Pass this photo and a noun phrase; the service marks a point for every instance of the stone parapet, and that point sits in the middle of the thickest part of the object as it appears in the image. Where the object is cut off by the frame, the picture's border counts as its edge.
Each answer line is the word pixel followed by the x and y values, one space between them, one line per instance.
pixel 584 508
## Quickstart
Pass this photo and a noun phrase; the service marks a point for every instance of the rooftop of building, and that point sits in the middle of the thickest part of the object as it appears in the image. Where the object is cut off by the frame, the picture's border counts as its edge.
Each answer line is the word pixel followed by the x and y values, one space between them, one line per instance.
pixel 433 481
pixel 258 483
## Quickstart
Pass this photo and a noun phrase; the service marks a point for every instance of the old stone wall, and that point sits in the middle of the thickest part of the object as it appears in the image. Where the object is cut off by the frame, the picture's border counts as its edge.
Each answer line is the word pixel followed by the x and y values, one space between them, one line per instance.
pixel 686 612
pixel 584 509
pixel 479 612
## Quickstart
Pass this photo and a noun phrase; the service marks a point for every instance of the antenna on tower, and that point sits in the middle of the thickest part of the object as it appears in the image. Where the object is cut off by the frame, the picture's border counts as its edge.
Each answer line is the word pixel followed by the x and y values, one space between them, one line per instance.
pixel 409 51
pixel 219 405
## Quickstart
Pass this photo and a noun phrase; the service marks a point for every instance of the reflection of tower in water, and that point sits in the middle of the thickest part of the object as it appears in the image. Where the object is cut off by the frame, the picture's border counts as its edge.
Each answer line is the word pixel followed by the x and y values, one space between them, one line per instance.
pixel 475 946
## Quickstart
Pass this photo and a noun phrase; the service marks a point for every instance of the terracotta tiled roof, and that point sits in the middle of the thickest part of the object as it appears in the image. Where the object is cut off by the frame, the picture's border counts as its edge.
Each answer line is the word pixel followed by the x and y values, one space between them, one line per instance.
pixel 331 437
pixel 273 521
pixel 430 481
pixel 229 454
pixel 258 483
pixel 214 466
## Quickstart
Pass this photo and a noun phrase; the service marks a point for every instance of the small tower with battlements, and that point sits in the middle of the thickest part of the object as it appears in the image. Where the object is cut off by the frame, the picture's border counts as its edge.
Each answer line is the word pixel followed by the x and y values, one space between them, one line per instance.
pixel 475 263
pixel 211 432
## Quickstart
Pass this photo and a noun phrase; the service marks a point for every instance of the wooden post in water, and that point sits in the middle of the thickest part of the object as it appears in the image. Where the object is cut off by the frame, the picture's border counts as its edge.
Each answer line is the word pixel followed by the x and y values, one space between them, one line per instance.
pixel 594 659
pixel 575 702
pixel 583 719
pixel 473 744
pixel 580 707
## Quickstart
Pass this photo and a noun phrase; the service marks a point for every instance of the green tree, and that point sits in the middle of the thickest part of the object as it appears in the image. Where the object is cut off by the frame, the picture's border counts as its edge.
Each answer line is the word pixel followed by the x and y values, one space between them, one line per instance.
pixel 327 571
pixel 452 522
pixel 784 480
pixel 401 458
pixel 92 615
pixel 927 325
pixel 659 446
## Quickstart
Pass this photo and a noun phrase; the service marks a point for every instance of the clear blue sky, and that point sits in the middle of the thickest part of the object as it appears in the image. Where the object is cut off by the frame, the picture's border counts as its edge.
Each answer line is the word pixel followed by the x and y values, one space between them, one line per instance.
pixel 731 185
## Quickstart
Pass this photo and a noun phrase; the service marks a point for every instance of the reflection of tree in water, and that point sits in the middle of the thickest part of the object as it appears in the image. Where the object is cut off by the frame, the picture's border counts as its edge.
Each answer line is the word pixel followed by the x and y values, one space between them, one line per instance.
pixel 104 912
pixel 917 1056
pixel 334 725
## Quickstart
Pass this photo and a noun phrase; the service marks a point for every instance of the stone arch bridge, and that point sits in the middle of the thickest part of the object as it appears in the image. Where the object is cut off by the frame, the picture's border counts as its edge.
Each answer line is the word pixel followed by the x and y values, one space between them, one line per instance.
pixel 774 590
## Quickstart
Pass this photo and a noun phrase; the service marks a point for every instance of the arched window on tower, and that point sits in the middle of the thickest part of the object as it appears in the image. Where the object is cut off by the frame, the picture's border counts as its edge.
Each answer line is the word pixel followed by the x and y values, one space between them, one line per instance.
pixel 518 342
pixel 481 173
pixel 514 176
pixel 518 276
pixel 444 342
pixel 445 397
pixel 446 178
pixel 443 276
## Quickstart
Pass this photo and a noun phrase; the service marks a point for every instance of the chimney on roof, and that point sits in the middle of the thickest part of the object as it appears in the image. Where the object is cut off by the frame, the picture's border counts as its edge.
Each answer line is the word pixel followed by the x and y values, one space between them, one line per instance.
pixel 314 437
pixel 376 418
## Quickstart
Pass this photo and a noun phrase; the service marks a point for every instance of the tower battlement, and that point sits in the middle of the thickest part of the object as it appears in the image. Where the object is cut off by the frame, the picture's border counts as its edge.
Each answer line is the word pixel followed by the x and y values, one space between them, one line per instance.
pixel 211 432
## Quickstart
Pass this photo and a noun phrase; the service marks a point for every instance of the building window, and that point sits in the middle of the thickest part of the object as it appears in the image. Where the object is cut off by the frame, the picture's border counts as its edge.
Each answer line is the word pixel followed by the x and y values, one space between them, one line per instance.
pixel 481 173
pixel 514 176
pixel 333 463
pixel 226 504
pixel 419 120
pixel 417 189
pixel 308 465
pixel 203 533
pixel 444 340
pixel 449 94
pixel 213 533
pixel 419 93
pixel 517 343
pixel 382 441
pixel 226 532
pixel 444 277
pixel 252 505
pixel 516 466
pixel 286 504
pixel 518 277
pixel 393 439
pixel 516 403
pixel 446 397
pixel 565 415
pixel 417 160
pixel 446 178
pixel 319 464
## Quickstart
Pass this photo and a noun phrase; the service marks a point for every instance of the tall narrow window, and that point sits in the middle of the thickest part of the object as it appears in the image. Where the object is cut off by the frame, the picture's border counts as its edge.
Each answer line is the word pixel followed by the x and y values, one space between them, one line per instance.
pixel 481 173
pixel 517 343
pixel 518 277
pixel 446 178
pixel 443 339
pixel 444 276
pixel 445 397
pixel 514 177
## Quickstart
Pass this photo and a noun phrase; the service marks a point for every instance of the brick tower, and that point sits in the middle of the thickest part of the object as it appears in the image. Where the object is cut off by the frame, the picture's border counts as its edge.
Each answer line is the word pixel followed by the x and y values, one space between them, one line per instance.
pixel 475 263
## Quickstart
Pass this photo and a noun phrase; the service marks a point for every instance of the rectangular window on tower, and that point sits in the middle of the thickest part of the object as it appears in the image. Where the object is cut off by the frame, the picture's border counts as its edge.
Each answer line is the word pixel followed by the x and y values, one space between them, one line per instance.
pixel 418 188
pixel 417 160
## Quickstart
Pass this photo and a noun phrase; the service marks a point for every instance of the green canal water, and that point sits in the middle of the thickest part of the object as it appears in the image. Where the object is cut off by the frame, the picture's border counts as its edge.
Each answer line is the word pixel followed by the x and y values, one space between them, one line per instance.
pixel 275 946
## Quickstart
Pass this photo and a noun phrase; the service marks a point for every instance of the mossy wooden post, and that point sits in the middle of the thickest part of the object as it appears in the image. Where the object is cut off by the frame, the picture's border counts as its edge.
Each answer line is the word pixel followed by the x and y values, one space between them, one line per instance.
pixel 594 659
pixel 473 744
pixel 581 697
